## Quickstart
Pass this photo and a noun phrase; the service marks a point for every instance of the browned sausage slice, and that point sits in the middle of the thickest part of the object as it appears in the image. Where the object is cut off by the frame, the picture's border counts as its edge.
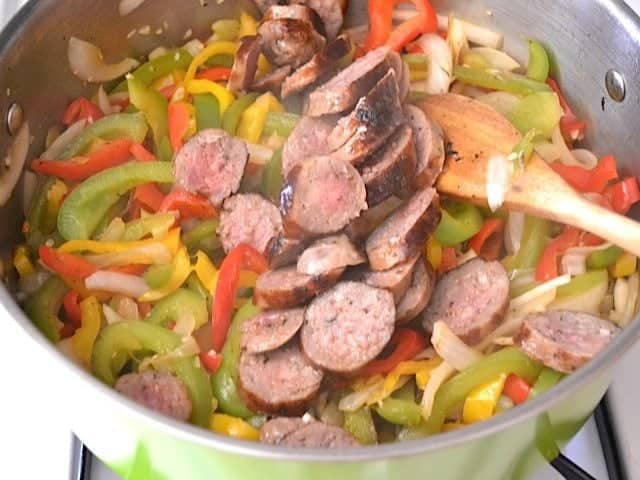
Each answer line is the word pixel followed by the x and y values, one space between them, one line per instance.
pixel 391 169
pixel 277 429
pixel 271 329
pixel 429 140
pixel 283 251
pixel 251 219
pixel 330 11
pixel 417 296
pixel 308 139
pixel 211 163
pixel 319 435
pixel 321 196
pixel 289 41
pixel 363 226
pixel 565 340
pixel 344 90
pixel 396 280
pixel 272 81
pixel 245 64
pixel 471 300
pixel 286 288
pixel 281 382
pixel 403 234
pixel 329 254
pixel 347 326
pixel 159 391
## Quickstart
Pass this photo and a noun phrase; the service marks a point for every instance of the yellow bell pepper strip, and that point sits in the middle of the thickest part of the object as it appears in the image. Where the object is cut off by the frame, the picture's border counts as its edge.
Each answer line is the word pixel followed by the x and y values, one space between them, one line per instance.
pixel 226 29
pixel 433 251
pixel 206 271
pixel 501 81
pixel 233 427
pixel 253 119
pixel 83 340
pixel 538 67
pixel 43 306
pixel 171 241
pixel 624 266
pixel 158 67
pixel 413 367
pixel 157 225
pixel 22 263
pixel 171 308
pixel 225 97
pixel 181 270
pixel 481 402
pixel 247 279
pixel 216 48
pixel 248 25
pixel 360 425
pixel 539 111
pixel 85 206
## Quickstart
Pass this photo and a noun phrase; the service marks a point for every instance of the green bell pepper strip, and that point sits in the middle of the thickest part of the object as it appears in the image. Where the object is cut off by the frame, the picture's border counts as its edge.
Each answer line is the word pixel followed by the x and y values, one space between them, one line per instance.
pixel 85 206
pixel 220 60
pixel 117 342
pixel 407 392
pixel 231 117
pixel 158 275
pixel 155 109
pixel 203 233
pixel 140 228
pixel 360 425
pixel 116 210
pixel 547 379
pixel 540 111
pixel 538 67
pixel 604 258
pixel 195 285
pixel 502 81
pixel 523 150
pixel 534 239
pixel 158 67
pixel 272 177
pixel 43 306
pixel 225 379
pixel 171 308
pixel 460 221
pixel 400 412
pixel 40 223
pixel 582 283
pixel 112 127
pixel 207 111
pixel 280 123
pixel 418 60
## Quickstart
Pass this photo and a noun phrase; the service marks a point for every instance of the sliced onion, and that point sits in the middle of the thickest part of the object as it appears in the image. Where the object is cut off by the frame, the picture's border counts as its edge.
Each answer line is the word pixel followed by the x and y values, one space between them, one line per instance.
pixel 358 399
pixel 586 158
pixel 259 154
pixel 456 39
pixel 513 232
pixel 497 59
pixel 498 179
pixel 111 316
pixel 154 253
pixel 452 350
pixel 53 133
pixel 194 47
pixel 438 376
pixel 115 282
pixel 185 325
pixel 548 151
pixel 427 354
pixel 14 163
pixel 114 231
pixel 65 138
pixel 588 301
pixel 573 263
pixel 475 33
pixel 524 299
pixel 103 102
pixel 502 102
pixel 127 6
pixel 440 64
pixel 126 307
pixel 29 186
pixel 157 52
pixel 564 154
pixel 466 257
pixel 87 63
pixel 625 298
pixel 188 348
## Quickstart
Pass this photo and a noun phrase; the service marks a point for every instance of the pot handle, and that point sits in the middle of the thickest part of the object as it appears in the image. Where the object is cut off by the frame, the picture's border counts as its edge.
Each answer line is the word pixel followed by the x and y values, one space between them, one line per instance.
pixel 569 470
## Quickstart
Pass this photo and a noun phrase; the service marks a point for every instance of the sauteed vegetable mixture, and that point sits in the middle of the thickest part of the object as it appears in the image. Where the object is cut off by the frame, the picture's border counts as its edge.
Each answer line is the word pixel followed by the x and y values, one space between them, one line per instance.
pixel 244 232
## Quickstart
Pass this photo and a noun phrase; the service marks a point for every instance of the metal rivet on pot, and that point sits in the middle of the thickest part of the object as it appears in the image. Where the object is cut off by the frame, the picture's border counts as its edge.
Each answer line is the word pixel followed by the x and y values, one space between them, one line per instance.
pixel 15 117
pixel 614 81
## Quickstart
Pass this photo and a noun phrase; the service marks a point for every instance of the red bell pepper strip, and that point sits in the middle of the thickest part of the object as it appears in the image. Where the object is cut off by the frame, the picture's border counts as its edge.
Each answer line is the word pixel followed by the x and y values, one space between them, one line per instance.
pixel 448 261
pixel 216 74
pixel 168 91
pixel 188 205
pixel 547 268
pixel 71 304
pixel 490 227
pixel 67 265
pixel 516 389
pixel 150 196
pixel 380 23
pixel 80 168
pixel 242 257
pixel 572 128
pixel 211 361
pixel 178 124
pixel 141 154
pixel 81 109
pixel 408 343
pixel 623 195
pixel 590 240
pixel 585 180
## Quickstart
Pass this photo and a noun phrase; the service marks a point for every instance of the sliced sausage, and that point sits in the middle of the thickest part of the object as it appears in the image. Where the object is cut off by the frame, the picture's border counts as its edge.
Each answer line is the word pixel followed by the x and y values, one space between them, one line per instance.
pixel 471 300
pixel 282 381
pixel 329 254
pixel 374 119
pixel 271 329
pixel 344 90
pixel 391 169
pixel 565 340
pixel 347 326
pixel 289 41
pixel 330 11
pixel 308 139
pixel 286 288
pixel 272 81
pixel 363 226
pixel 277 429
pixel 245 64
pixel 417 297
pixel 283 251
pixel 319 435
pixel 396 280
pixel 211 163
pixel 295 11
pixel 403 234
pixel 429 140
pixel 321 196
pixel 251 219
pixel 159 391
pixel 264 5
pixel 321 66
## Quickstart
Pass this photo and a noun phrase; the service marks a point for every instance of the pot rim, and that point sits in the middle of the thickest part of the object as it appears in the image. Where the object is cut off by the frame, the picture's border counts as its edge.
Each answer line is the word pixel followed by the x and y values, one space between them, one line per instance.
pixel 206 438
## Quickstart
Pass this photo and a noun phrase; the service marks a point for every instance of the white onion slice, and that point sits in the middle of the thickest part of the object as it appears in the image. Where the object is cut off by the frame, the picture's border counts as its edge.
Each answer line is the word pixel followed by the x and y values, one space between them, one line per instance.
pixel 440 64
pixel 532 294
pixel 13 163
pixel 502 102
pixel 259 154
pixel 87 63
pixel 573 263
pixel 497 59
pixel 466 257
pixel 194 47
pixel 188 348
pixel 586 158
pixel 127 6
pixel 116 282
pixel 438 376
pixel 65 138
pixel 548 151
pixel 564 153
pixel 588 301
pixel 498 179
pixel 355 400
pixel 103 102
pixel 513 232
pixel 111 316
pixel 154 253
pixel 452 350
pixel 456 39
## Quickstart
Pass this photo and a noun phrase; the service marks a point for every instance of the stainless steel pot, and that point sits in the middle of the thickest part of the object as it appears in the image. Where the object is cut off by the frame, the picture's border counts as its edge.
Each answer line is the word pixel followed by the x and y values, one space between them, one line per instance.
pixel 587 38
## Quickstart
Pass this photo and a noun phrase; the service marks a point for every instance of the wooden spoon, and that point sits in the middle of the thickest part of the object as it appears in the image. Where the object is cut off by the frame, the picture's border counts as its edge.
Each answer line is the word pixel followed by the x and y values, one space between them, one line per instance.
pixel 476 132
